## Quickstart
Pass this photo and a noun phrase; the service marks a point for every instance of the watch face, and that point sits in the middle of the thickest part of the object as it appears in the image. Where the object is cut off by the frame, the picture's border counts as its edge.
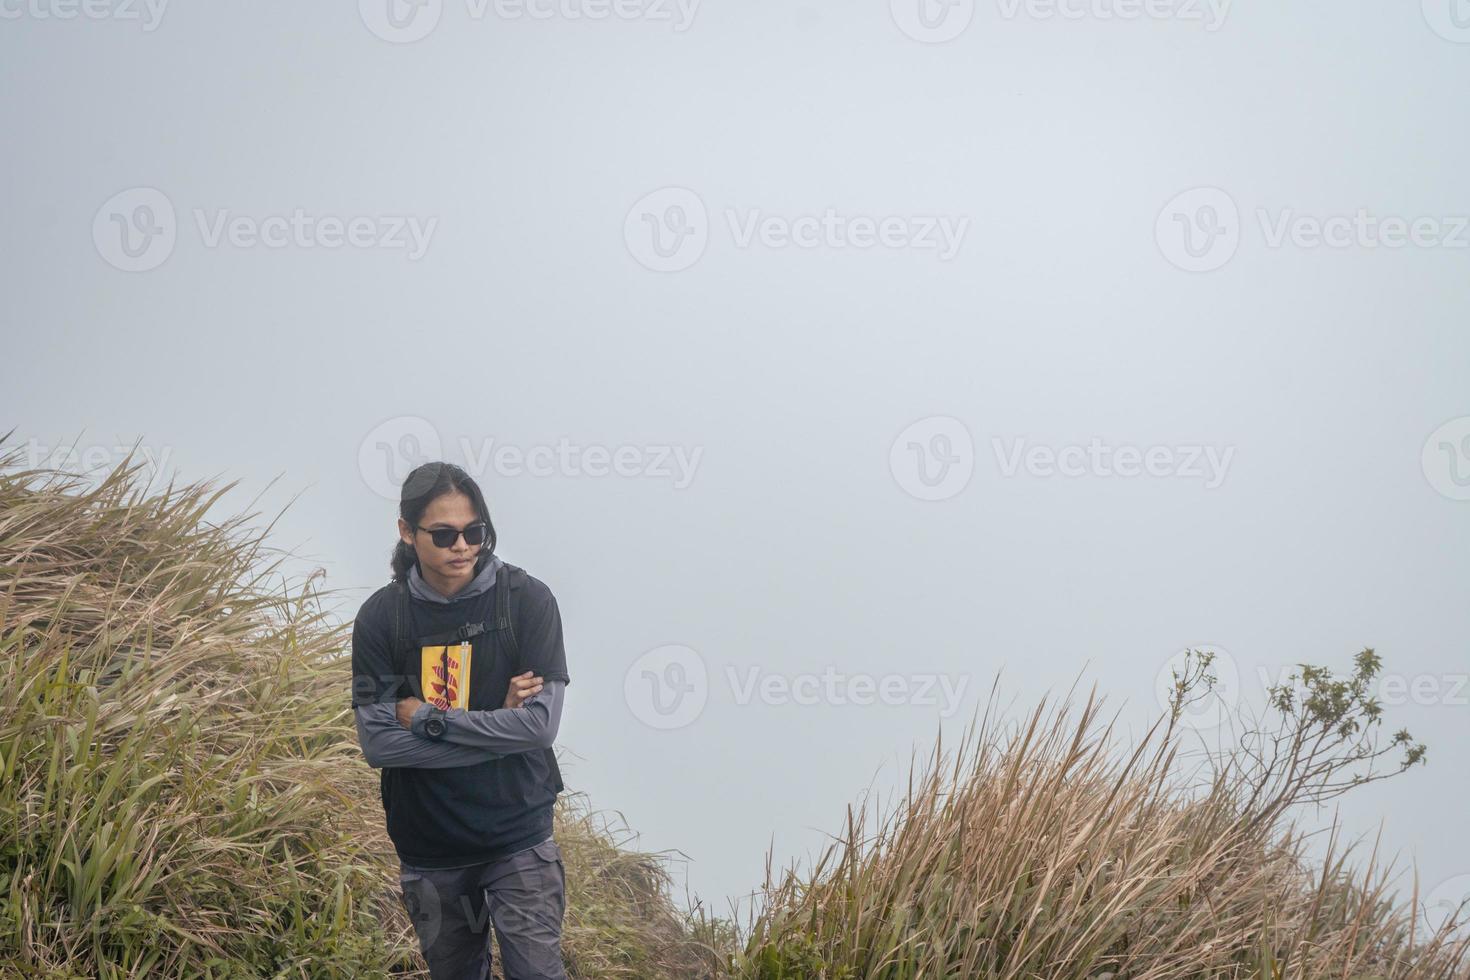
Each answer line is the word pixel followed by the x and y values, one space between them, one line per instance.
pixel 434 726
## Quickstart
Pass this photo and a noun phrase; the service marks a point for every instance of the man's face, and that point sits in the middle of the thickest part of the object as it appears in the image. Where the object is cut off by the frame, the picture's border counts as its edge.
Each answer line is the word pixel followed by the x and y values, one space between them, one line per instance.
pixel 456 563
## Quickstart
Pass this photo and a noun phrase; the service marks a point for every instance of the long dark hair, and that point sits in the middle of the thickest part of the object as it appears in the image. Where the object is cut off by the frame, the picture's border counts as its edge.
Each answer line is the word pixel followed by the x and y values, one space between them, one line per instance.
pixel 420 488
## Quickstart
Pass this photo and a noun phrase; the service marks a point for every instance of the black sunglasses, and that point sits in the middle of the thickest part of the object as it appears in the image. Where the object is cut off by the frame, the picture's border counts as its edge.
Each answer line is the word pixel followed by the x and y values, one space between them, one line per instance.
pixel 444 537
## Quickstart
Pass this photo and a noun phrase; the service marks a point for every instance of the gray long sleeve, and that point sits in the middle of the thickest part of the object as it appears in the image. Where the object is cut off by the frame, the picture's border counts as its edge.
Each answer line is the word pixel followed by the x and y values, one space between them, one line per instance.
pixel 385 743
pixel 504 730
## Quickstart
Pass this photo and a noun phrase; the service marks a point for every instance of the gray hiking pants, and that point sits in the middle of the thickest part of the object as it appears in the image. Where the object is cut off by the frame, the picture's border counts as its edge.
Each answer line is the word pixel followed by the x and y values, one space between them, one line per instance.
pixel 523 894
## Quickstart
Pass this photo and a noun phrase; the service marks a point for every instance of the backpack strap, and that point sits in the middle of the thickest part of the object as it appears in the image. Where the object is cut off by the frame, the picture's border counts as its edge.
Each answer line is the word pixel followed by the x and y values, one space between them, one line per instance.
pixel 400 623
pixel 510 581
pixel 508 577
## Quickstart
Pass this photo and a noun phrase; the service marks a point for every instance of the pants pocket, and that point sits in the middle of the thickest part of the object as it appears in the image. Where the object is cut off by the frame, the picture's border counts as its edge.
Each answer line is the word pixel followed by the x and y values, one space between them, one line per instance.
pixel 528 901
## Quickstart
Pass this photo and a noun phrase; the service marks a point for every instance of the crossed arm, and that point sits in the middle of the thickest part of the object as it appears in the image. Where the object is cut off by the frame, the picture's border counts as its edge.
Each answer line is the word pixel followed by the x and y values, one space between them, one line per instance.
pixel 533 725
pixel 391 733
pixel 385 743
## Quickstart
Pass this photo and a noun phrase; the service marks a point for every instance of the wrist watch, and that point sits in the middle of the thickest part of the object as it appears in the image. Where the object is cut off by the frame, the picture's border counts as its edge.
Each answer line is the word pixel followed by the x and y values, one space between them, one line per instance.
pixel 434 724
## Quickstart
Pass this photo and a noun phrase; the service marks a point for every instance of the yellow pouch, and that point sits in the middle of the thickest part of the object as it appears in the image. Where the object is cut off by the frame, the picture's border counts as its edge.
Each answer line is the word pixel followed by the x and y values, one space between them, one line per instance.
pixel 446 688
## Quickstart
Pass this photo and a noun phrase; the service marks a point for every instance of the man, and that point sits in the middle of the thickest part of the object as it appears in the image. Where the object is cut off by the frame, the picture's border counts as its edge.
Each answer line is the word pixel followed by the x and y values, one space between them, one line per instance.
pixel 469 781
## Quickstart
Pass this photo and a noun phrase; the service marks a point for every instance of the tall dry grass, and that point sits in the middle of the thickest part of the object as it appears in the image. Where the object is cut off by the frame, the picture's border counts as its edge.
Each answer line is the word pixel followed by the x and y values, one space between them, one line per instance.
pixel 182 795
pixel 1052 850
pixel 181 788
